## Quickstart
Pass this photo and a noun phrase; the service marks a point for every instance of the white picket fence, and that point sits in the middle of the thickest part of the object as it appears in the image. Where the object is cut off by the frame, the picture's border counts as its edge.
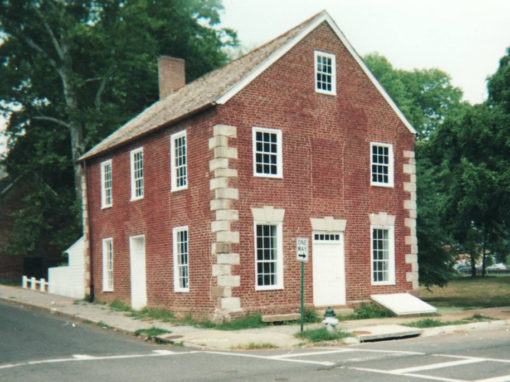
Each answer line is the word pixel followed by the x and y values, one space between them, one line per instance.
pixel 68 280
pixel 33 283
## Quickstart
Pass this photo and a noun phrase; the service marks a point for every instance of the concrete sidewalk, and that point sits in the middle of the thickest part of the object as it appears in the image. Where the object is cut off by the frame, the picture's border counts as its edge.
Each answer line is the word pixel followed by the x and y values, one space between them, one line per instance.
pixel 281 336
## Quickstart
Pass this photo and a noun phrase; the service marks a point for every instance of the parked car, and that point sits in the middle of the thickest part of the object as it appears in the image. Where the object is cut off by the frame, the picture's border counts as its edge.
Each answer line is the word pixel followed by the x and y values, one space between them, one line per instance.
pixel 497 267
pixel 462 268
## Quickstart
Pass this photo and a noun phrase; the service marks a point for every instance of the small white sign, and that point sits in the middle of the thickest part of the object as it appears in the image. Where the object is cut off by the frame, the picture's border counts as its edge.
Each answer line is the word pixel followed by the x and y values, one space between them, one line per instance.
pixel 302 249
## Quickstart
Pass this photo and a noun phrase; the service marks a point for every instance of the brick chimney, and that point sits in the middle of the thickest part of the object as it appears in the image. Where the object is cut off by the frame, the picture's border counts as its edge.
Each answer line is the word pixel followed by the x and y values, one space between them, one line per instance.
pixel 171 75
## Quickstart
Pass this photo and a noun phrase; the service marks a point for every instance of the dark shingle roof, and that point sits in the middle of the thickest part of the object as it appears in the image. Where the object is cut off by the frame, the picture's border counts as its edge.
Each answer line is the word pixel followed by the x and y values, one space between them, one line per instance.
pixel 203 92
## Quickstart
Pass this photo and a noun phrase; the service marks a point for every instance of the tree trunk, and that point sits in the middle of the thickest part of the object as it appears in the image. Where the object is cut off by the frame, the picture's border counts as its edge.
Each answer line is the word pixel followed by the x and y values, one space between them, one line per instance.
pixel 75 127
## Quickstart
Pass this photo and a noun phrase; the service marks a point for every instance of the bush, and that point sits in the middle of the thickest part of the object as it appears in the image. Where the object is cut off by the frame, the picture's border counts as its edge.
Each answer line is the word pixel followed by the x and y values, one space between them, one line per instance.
pixel 321 334
pixel 371 311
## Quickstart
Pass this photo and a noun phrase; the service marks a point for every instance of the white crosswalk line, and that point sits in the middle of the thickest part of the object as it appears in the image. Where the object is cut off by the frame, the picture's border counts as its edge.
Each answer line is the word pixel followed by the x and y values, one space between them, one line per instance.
pixel 503 378
pixel 433 366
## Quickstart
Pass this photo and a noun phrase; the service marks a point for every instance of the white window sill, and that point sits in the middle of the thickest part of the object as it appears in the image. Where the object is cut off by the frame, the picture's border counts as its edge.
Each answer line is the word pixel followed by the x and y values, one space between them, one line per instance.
pixel 179 189
pixel 325 92
pixel 181 290
pixel 383 283
pixel 137 198
pixel 106 207
pixel 107 290
pixel 268 176
pixel 272 287
pixel 384 185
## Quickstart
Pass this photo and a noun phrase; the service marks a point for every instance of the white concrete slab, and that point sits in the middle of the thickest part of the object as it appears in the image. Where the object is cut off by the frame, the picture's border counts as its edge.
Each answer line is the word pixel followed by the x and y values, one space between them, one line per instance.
pixel 403 303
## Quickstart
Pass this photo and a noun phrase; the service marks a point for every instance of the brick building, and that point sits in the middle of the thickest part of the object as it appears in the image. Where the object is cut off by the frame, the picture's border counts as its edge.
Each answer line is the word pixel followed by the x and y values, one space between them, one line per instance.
pixel 195 204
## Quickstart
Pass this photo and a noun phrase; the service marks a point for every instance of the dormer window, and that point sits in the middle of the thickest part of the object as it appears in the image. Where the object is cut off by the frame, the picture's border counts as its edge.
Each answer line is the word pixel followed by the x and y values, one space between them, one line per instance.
pixel 325 73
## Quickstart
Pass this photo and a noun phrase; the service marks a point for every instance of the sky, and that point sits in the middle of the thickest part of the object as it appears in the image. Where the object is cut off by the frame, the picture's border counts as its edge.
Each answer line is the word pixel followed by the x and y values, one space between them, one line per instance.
pixel 464 38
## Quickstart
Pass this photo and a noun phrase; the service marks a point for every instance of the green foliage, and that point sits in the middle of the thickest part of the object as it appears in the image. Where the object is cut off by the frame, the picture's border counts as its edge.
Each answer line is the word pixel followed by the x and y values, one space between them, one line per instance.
pixel 310 316
pixel 371 311
pixel 430 323
pixel 119 306
pixel 72 72
pixel 247 322
pixel 426 97
pixel 321 334
pixel 151 332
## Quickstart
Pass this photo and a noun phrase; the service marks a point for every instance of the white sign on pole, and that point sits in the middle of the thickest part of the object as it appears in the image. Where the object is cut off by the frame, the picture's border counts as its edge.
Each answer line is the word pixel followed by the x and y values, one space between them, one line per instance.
pixel 302 249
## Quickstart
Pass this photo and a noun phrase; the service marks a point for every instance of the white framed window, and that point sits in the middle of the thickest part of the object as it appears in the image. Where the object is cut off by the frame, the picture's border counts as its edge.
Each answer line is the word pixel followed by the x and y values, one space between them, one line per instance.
pixel 268 256
pixel 267 152
pixel 181 259
pixel 137 174
pixel 383 255
pixel 325 73
pixel 108 265
pixel 179 161
pixel 106 184
pixel 381 164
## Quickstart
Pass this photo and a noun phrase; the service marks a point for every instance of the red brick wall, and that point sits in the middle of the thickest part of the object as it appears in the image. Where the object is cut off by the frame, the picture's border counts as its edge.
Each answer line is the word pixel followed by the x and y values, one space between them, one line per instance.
pixel 326 167
pixel 326 172
pixel 155 216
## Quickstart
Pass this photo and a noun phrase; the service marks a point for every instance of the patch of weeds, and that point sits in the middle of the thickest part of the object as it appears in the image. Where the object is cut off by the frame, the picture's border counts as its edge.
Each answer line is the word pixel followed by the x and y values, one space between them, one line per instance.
pixel 321 334
pixel 310 316
pixel 371 311
pixel 480 317
pixel 429 323
pixel 151 332
pixel 248 322
pixel 119 306
pixel 101 324
pixel 152 314
pixel 256 346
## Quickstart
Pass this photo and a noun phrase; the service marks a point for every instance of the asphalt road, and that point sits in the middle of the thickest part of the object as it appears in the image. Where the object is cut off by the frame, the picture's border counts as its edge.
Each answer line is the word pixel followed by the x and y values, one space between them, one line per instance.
pixel 36 346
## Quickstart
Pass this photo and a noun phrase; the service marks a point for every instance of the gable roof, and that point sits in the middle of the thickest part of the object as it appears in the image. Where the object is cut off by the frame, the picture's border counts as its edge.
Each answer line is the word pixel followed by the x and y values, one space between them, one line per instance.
pixel 220 85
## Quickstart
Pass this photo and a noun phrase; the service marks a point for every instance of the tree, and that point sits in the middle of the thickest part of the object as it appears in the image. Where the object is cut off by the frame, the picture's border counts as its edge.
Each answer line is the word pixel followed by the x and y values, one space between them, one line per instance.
pixel 74 70
pixel 426 97
pixel 473 151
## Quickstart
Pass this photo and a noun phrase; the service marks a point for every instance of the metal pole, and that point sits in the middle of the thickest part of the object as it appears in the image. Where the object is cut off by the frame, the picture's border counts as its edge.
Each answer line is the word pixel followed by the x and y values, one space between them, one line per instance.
pixel 302 294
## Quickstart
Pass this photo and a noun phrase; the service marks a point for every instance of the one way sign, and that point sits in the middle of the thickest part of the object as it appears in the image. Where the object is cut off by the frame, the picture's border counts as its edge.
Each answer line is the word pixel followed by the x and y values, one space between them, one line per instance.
pixel 302 249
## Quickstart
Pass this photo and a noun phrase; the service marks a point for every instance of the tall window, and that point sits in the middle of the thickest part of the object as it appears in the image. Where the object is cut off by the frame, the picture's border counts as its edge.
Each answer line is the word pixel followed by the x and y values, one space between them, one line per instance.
pixel 108 265
pixel 179 162
pixel 181 259
pixel 106 184
pixel 325 73
pixel 268 256
pixel 383 256
pixel 137 174
pixel 267 152
pixel 381 164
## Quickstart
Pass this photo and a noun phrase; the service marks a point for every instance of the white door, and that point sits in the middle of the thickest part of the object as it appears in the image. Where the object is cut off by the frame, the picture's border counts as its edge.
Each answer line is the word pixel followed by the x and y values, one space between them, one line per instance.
pixel 137 265
pixel 328 269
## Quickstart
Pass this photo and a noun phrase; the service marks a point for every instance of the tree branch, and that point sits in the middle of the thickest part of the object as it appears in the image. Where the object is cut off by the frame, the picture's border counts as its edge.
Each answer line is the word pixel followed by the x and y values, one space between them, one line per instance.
pixel 52 119
pixel 56 45
pixel 36 47
pixel 99 93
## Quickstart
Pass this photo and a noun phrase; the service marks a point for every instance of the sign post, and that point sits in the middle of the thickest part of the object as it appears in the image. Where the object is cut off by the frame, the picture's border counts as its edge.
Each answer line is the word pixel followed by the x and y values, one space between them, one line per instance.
pixel 302 256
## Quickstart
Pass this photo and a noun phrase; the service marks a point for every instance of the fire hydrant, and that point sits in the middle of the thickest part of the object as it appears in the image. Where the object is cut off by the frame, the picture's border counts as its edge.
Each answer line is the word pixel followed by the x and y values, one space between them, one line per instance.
pixel 330 321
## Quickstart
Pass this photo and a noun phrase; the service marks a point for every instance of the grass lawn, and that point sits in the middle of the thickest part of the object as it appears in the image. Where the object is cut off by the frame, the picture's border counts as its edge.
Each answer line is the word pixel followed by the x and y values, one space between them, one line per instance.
pixel 468 292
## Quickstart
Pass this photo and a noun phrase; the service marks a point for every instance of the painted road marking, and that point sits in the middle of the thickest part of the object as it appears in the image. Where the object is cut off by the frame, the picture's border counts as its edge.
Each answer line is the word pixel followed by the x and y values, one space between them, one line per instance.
pixel 379 371
pixel 86 357
pixel 434 366
pixel 271 358
pixel 503 378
